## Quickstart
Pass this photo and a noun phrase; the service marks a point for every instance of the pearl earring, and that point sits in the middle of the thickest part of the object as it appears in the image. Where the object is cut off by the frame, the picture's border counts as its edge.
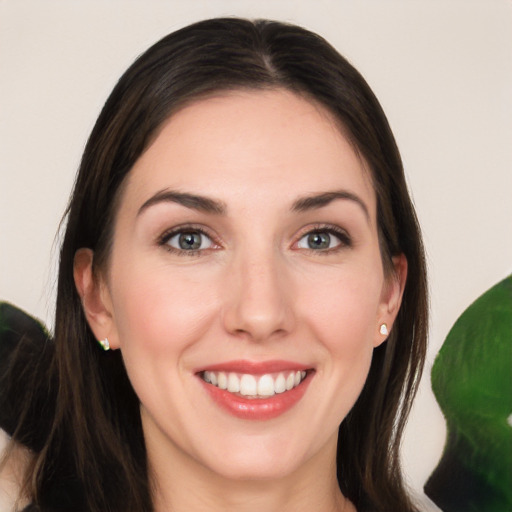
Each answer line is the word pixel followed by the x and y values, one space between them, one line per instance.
pixel 105 345
pixel 384 330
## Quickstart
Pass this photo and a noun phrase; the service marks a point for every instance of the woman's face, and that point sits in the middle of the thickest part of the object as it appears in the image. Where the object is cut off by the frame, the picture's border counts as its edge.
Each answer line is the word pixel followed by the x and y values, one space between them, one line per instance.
pixel 245 286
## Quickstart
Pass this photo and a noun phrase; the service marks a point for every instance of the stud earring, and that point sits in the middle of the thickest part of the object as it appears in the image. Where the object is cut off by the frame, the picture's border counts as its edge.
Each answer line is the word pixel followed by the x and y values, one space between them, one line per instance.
pixel 105 345
pixel 384 330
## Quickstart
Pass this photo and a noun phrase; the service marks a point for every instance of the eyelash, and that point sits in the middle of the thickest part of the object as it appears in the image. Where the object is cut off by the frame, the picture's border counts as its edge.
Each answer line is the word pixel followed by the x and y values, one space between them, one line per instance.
pixel 343 237
pixel 179 230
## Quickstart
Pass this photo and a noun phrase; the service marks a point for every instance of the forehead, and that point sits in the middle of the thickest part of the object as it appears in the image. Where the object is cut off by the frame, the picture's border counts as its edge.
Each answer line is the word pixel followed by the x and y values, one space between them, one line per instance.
pixel 245 144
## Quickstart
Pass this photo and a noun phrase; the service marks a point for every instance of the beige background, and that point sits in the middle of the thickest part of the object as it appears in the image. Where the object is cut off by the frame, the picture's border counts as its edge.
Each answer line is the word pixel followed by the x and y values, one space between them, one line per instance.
pixel 442 70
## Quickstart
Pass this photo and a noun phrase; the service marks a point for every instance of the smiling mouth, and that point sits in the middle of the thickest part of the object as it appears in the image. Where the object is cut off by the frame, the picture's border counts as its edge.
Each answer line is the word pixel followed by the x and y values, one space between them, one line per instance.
pixel 251 386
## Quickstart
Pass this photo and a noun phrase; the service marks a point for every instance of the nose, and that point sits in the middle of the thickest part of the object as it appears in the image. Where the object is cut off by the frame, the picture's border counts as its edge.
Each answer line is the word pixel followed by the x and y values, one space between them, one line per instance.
pixel 258 303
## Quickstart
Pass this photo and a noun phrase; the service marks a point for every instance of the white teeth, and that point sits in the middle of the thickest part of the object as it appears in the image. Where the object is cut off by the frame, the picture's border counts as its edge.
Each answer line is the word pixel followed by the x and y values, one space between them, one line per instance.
pixel 280 384
pixel 290 381
pixel 248 385
pixel 253 386
pixel 266 386
pixel 233 383
pixel 222 380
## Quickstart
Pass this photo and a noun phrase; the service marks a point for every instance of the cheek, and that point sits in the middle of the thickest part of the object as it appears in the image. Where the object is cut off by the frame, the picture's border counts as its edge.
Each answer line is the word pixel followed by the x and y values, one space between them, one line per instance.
pixel 345 309
pixel 160 311
pixel 343 318
pixel 159 316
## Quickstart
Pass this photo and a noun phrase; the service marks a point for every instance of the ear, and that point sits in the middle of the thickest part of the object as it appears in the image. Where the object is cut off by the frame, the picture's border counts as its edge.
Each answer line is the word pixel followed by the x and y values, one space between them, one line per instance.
pixel 95 296
pixel 391 297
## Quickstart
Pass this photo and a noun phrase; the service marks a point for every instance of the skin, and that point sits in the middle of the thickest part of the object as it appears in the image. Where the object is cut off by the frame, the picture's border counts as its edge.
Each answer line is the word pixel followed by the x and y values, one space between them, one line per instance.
pixel 254 291
pixel 13 465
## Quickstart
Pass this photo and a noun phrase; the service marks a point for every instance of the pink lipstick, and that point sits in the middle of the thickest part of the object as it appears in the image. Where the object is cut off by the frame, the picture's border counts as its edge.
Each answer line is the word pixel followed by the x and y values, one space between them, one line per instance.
pixel 256 390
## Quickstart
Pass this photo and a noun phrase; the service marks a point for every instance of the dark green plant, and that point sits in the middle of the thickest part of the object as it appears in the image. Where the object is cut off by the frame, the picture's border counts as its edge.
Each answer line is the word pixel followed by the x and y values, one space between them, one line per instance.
pixel 472 381
pixel 26 350
pixel 16 324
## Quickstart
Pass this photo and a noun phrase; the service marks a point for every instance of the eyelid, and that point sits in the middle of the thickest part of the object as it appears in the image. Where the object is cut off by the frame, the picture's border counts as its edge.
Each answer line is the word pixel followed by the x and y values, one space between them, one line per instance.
pixel 187 228
pixel 341 234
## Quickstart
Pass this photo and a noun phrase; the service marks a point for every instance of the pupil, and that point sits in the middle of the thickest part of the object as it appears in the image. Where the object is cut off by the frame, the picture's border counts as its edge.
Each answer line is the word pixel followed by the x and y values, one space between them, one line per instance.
pixel 190 241
pixel 319 240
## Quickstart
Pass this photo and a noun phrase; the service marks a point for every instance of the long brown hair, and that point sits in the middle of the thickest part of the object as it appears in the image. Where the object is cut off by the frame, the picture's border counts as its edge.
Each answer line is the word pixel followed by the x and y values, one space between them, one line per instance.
pixel 94 442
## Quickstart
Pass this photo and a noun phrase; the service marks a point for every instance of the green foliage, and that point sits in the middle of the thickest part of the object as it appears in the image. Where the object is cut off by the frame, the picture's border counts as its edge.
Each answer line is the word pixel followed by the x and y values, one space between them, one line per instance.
pixel 16 325
pixel 472 381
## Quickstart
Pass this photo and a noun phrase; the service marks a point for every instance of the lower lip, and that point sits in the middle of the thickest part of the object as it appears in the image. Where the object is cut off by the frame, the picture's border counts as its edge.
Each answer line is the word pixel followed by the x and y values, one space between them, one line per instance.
pixel 257 408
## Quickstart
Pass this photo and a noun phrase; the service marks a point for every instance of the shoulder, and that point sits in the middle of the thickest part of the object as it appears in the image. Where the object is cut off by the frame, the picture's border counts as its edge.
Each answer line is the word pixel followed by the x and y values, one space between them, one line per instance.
pixel 14 459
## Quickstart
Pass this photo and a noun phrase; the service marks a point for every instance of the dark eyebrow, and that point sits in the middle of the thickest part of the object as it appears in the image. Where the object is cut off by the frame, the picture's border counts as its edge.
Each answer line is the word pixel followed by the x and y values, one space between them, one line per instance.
pixel 193 201
pixel 323 199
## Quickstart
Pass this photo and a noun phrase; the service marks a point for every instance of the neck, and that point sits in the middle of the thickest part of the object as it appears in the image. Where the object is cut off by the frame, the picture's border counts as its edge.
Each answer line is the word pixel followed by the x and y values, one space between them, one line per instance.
pixel 182 484
pixel 247 497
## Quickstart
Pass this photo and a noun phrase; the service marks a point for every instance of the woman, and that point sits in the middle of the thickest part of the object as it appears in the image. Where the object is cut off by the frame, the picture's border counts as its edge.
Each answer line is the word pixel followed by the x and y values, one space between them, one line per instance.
pixel 241 242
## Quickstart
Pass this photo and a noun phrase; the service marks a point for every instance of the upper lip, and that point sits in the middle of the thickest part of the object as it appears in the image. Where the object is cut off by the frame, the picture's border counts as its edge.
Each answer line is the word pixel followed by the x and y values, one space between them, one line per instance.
pixel 255 367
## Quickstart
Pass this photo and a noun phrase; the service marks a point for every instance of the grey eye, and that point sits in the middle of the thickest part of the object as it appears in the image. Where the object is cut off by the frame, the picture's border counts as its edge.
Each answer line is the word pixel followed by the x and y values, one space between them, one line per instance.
pixel 190 241
pixel 318 240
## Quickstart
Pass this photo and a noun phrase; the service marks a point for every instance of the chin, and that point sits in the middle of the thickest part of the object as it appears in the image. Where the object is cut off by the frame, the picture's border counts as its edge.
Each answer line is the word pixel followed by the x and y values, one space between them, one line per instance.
pixel 259 470
pixel 257 458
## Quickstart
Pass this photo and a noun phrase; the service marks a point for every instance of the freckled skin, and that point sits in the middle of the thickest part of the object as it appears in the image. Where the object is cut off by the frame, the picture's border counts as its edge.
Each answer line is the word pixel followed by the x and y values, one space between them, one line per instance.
pixel 255 292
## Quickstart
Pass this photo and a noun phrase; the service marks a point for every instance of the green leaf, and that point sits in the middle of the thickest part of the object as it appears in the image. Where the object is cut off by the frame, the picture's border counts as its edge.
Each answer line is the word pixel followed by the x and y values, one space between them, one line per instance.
pixel 472 381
